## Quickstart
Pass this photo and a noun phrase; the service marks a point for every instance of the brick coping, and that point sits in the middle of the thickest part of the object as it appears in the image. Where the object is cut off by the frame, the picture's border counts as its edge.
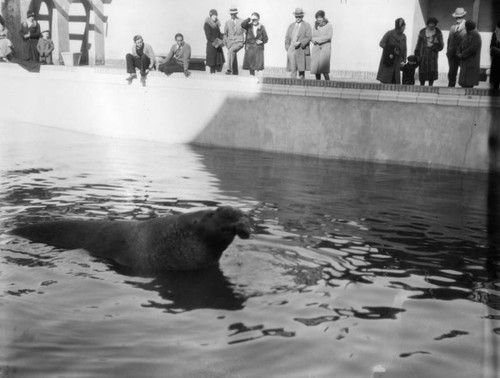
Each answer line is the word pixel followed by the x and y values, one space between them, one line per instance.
pixel 378 87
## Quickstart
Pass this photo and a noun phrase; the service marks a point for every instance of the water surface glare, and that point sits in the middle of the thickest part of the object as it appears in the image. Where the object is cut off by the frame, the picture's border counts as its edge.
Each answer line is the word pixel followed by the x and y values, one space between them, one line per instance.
pixel 354 267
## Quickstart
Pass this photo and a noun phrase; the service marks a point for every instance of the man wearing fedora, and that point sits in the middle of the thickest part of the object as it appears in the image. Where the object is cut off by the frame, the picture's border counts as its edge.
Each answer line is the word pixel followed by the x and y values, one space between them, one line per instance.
pixel 234 39
pixel 455 38
pixel 297 40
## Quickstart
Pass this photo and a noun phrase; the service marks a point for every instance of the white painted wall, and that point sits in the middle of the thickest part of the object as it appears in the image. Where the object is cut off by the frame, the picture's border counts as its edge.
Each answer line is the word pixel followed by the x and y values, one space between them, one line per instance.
pixel 358 25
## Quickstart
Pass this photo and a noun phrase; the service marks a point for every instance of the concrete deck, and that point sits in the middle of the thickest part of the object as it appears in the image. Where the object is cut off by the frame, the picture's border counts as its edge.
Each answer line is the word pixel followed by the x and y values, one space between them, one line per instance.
pixel 430 126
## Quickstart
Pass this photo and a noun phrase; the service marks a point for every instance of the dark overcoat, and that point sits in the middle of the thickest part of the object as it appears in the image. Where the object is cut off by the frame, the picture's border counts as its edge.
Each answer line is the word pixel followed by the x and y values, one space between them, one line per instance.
pixel 396 41
pixel 215 55
pixel 254 53
pixel 495 59
pixel 30 51
pixel 470 59
pixel 428 55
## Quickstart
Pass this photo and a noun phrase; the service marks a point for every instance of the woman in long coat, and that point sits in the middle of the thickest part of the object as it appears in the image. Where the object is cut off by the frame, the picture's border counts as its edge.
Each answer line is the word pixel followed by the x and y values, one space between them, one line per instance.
pixel 254 44
pixel 430 43
pixel 215 55
pixel 393 57
pixel 495 58
pixel 322 46
pixel 470 56
pixel 31 33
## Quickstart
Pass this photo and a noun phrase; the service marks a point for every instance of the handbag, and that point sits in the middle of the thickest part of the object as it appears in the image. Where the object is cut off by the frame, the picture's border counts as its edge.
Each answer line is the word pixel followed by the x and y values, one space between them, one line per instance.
pixel 217 42
pixel 389 55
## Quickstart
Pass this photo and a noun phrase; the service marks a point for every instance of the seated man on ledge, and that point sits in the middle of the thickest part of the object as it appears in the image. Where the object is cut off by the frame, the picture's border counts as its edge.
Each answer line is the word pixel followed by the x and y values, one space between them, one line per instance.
pixel 142 57
pixel 177 59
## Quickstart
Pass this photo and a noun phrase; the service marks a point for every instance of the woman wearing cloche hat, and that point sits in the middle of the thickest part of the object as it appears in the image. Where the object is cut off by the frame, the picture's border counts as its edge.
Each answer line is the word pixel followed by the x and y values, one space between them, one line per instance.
pixel 297 40
pixel 215 55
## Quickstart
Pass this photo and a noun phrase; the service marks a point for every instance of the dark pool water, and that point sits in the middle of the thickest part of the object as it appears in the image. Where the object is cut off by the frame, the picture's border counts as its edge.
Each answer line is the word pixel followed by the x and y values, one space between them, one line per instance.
pixel 355 269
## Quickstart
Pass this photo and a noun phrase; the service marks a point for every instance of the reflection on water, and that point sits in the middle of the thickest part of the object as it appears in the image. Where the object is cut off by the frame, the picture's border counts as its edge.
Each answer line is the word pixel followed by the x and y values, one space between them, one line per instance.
pixel 353 265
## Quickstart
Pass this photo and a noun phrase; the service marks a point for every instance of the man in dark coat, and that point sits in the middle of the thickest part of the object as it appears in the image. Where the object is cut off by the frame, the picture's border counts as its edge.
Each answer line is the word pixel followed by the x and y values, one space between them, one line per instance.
pixel 457 34
pixel 470 55
pixel 495 58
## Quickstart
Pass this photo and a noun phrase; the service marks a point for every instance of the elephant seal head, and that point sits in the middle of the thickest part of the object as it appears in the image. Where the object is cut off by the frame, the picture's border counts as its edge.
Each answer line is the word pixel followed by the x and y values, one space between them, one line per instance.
pixel 224 223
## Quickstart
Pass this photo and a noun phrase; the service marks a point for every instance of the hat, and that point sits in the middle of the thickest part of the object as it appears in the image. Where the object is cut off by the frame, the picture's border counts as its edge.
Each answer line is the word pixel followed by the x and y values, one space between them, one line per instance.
pixel 432 20
pixel 233 10
pixel 399 23
pixel 255 16
pixel 30 14
pixel 470 25
pixel 213 12
pixel 459 12
pixel 299 12
pixel 412 59
pixel 320 13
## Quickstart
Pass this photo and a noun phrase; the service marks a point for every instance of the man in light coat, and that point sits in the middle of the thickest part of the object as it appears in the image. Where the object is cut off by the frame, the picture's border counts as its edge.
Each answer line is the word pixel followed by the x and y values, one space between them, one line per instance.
pixel 177 59
pixel 141 57
pixel 234 39
pixel 297 40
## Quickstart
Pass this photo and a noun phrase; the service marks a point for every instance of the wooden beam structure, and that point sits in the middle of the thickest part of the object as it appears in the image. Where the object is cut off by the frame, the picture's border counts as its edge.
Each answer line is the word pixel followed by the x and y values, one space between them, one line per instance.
pixel 59 18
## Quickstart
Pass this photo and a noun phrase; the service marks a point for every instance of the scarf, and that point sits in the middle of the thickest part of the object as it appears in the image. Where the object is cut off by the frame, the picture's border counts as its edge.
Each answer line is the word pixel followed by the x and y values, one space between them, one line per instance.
pixel 212 24
pixel 318 24
pixel 460 26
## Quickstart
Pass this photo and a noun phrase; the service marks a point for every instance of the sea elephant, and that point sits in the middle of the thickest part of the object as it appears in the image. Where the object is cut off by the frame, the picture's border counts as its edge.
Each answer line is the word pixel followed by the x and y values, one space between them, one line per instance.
pixel 192 240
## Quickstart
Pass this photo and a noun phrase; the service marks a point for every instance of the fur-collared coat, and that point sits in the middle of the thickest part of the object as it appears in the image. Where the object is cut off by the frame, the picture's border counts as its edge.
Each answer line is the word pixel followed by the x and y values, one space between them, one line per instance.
pixel 254 53
pixel 394 41
pixel 322 48
pixel 428 56
pixel 302 52
pixel 470 56
pixel 215 55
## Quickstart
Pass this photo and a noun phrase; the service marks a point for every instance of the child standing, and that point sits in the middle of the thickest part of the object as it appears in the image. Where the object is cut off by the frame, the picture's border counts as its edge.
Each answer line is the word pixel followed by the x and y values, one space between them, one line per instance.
pixel 5 47
pixel 45 47
pixel 409 70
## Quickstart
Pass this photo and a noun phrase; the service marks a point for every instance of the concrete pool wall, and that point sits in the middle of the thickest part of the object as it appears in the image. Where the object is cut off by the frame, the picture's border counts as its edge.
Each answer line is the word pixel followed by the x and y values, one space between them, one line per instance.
pixel 423 126
pixel 436 127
